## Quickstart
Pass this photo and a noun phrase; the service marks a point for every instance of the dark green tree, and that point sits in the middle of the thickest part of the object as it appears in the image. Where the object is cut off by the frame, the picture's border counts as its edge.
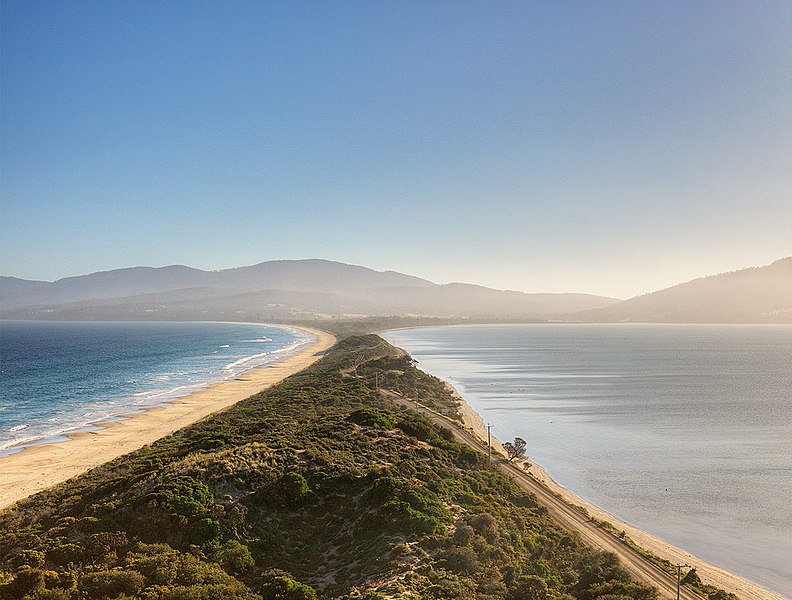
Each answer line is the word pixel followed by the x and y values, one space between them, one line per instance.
pixel 515 449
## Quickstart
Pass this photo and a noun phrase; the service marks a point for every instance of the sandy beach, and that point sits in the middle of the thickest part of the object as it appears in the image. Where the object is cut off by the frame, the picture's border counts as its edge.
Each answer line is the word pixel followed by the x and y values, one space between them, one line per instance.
pixel 41 466
pixel 726 580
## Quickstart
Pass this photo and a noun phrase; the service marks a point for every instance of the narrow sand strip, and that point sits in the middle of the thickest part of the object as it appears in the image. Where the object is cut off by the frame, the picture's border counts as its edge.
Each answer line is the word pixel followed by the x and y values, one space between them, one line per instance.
pixel 745 589
pixel 41 466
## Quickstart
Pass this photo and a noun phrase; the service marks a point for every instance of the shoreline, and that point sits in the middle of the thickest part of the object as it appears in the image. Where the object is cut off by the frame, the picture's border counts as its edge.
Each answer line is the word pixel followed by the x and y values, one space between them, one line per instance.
pixel 158 397
pixel 42 465
pixel 744 588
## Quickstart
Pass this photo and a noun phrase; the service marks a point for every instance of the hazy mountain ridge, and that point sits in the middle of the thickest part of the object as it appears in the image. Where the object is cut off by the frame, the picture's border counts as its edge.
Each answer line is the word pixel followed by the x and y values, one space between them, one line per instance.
pixel 299 290
pixel 306 275
pixel 296 289
pixel 753 295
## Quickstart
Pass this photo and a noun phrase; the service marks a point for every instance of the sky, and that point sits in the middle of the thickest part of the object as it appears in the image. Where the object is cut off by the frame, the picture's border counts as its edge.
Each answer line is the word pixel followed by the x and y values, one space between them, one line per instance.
pixel 613 148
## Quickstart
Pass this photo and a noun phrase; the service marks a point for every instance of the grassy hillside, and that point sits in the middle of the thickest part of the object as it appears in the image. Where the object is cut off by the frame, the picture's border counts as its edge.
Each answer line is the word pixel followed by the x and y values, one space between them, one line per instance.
pixel 316 488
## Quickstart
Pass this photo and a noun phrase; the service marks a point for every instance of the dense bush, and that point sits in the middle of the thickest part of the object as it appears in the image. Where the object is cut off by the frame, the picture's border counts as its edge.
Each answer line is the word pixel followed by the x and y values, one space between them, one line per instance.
pixel 371 416
pixel 182 498
pixel 111 584
pixel 462 560
pixel 27 558
pixel 277 585
pixel 235 557
pixel 529 587
pixel 293 489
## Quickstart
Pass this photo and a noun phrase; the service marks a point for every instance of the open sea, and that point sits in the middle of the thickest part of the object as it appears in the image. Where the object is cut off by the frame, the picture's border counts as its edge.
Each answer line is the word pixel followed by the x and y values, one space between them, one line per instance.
pixel 59 377
pixel 684 431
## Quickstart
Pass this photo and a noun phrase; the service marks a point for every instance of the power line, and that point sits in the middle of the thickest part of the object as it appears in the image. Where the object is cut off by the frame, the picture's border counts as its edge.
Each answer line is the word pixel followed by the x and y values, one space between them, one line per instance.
pixel 679 577
pixel 489 444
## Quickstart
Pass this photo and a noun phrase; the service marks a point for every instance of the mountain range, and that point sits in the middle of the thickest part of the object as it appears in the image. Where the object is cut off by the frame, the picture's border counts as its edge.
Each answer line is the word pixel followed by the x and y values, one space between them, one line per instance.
pixel 315 290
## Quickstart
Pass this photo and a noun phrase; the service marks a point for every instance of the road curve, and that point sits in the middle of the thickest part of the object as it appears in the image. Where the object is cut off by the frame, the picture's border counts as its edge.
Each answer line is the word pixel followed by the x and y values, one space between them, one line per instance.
pixel 570 518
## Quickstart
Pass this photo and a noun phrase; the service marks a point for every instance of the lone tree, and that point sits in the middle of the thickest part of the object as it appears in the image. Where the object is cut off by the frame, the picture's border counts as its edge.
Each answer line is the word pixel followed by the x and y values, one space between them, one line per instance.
pixel 515 449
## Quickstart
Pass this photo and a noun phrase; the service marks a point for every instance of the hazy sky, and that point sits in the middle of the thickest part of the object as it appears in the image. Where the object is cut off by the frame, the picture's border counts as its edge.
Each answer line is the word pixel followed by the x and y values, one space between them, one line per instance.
pixel 605 147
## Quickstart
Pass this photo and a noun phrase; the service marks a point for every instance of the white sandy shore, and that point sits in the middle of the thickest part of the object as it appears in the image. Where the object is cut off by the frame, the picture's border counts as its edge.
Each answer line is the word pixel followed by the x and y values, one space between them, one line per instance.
pixel 41 466
pixel 726 580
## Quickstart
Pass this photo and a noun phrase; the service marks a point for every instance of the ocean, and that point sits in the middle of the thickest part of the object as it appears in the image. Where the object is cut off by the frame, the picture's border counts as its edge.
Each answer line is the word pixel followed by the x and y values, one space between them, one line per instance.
pixel 684 431
pixel 60 377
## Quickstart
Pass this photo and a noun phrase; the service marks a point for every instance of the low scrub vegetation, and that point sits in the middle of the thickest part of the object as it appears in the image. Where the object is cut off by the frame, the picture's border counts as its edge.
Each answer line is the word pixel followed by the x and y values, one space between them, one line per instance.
pixel 317 488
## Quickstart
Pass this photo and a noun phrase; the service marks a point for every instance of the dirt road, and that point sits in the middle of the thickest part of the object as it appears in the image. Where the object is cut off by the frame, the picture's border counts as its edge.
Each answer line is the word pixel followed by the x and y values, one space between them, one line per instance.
pixel 640 568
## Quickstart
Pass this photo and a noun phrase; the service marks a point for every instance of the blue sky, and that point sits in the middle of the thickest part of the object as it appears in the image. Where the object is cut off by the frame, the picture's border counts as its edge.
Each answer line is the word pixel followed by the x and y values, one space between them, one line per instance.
pixel 604 147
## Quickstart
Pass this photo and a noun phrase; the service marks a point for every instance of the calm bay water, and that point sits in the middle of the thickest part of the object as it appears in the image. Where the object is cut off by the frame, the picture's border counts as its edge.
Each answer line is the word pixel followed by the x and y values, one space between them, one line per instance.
pixel 62 376
pixel 684 431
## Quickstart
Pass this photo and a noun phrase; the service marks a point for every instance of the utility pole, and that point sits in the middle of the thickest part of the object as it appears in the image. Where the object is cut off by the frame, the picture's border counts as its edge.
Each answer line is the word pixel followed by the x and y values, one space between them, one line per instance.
pixel 679 577
pixel 489 444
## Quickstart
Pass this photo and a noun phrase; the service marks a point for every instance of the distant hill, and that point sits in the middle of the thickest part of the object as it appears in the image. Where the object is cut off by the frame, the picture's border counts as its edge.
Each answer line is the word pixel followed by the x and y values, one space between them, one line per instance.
pixel 274 290
pixel 755 295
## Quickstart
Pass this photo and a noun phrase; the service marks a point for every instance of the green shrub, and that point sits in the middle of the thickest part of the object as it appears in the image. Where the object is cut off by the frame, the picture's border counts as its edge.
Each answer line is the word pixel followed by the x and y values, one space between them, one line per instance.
pixel 461 560
pixel 66 580
pixel 371 417
pixel 418 427
pixel 486 526
pixel 225 591
pixel 721 595
pixel 596 568
pixel 621 589
pixel 165 566
pixel 293 489
pixel 526 501
pixel 182 498
pixel 416 509
pixel 279 585
pixel 530 587
pixel 692 578
pixel 463 535
pixel 110 584
pixel 26 581
pixel 63 554
pixel 28 558
pixel 467 456
pixel 414 521
pixel 57 594
pixel 235 557
pixel 205 532
pixel 209 444
pixel 102 545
